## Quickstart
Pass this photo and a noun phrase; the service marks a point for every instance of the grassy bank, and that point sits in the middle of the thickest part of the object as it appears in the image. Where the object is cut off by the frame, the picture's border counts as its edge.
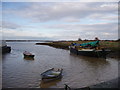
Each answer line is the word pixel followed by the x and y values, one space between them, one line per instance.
pixel 112 45
pixel 60 44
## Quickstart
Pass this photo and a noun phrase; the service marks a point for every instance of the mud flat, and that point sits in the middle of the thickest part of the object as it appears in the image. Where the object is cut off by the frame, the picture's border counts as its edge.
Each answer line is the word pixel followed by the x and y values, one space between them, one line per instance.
pixel 114 83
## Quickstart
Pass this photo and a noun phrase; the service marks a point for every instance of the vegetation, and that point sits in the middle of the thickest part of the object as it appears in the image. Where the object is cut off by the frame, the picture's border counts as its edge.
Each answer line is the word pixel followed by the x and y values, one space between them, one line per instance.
pixel 113 45
pixel 109 44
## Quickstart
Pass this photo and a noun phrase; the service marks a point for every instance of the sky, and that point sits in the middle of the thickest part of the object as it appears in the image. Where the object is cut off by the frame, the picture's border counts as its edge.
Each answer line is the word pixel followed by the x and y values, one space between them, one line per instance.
pixel 59 20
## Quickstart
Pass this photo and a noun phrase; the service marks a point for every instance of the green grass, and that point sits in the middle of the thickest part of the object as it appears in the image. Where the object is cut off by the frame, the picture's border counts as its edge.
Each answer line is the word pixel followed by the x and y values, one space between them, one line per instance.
pixel 114 46
pixel 111 45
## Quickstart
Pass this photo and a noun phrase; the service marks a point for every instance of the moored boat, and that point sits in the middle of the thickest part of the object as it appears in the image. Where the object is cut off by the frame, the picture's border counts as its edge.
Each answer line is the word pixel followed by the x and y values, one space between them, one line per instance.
pixel 51 74
pixel 4 47
pixel 28 54
pixel 91 49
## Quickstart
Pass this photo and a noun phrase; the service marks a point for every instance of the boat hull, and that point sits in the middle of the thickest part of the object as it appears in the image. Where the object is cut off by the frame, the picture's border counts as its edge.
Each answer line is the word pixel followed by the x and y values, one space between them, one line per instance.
pixel 6 49
pixel 46 78
pixel 91 53
pixel 51 79
pixel 28 56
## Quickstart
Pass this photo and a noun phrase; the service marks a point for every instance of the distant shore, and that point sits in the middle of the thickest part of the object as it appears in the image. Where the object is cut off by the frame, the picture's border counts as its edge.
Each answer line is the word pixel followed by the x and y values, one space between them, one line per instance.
pixel 112 45
pixel 28 41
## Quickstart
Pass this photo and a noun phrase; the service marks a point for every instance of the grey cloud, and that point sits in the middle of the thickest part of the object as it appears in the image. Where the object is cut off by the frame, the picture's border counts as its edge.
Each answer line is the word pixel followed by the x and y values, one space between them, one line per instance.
pixel 110 17
pixel 69 12
pixel 10 25
pixel 42 12
pixel 9 36
pixel 85 27
pixel 90 30
pixel 13 25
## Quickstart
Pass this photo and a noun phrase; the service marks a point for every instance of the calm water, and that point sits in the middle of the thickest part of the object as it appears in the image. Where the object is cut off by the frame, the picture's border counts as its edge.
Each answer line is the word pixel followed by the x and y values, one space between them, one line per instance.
pixel 78 71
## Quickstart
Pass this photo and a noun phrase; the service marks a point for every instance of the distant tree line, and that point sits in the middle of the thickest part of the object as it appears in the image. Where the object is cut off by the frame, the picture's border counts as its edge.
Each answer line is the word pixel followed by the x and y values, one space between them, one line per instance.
pixel 96 38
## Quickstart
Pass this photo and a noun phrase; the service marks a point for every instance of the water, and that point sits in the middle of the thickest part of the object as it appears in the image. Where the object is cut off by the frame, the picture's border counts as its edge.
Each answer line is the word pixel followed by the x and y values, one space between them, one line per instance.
pixel 78 71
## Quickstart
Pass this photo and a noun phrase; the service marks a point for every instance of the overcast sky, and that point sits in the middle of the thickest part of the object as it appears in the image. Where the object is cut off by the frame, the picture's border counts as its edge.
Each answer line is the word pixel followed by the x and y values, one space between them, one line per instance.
pixel 59 20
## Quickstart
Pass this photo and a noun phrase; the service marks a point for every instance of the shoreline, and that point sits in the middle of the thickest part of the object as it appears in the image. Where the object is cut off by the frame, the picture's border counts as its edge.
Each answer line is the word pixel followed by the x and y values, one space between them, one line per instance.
pixel 114 83
pixel 111 84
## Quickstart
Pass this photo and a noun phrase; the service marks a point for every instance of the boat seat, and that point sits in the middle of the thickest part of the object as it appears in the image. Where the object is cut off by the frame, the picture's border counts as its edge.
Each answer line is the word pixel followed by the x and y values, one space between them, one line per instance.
pixel 55 73
pixel 50 75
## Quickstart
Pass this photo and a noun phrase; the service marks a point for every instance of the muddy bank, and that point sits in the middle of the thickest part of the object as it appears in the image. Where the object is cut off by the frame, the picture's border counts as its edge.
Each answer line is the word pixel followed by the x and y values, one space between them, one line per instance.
pixel 114 83
pixel 56 45
pixel 114 54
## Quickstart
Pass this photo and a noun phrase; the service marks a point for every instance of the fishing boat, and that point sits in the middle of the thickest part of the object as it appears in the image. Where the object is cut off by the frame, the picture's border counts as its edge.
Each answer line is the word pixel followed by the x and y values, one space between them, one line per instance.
pixel 28 55
pixel 51 74
pixel 91 49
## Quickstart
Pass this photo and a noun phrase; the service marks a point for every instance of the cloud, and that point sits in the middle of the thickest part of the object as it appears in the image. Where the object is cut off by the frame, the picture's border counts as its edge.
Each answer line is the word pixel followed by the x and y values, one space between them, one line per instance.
pixel 10 25
pixel 44 12
pixel 110 17
pixel 53 20
pixel 60 0
pixel 63 11
pixel 26 34
pixel 84 27
pixel 86 31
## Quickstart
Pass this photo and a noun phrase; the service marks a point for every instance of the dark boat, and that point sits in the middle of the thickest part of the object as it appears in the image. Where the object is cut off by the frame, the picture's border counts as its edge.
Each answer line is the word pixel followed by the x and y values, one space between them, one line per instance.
pixel 5 48
pixel 51 74
pixel 91 49
pixel 28 55
pixel 91 52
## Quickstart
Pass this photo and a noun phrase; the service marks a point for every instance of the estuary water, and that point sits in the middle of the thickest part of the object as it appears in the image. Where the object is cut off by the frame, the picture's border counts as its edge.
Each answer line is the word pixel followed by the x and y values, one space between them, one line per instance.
pixel 78 71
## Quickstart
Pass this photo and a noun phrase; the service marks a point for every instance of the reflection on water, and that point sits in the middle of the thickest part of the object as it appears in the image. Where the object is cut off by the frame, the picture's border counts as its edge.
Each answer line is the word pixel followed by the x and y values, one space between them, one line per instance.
pixel 92 61
pixel 49 84
pixel 78 71
pixel 28 58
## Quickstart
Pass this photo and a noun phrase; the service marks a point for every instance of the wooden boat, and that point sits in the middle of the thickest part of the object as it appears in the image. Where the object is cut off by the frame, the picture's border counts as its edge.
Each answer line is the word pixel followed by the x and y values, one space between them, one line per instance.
pixel 28 54
pixel 51 74
pixel 89 49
